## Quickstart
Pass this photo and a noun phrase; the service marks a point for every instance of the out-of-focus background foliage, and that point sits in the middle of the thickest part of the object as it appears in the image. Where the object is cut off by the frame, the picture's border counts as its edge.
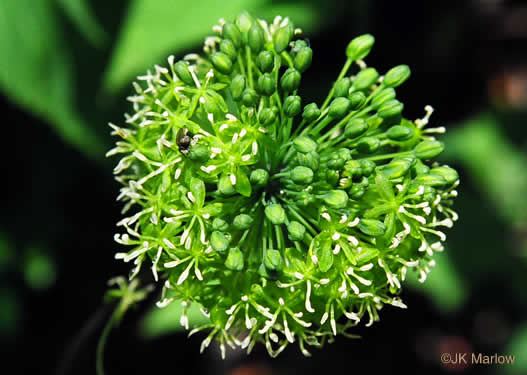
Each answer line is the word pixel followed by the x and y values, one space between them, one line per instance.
pixel 66 67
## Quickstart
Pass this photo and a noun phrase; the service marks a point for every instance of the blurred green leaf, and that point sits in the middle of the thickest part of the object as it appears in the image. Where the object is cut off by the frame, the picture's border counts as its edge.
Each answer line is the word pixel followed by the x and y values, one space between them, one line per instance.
pixel 11 312
pixel 498 169
pixel 82 16
pixel 36 70
pixel 444 286
pixel 155 29
pixel 6 253
pixel 518 348
pixel 166 320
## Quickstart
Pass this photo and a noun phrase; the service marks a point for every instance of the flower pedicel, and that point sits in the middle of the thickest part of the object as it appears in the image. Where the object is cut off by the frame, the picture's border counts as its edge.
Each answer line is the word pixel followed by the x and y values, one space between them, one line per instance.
pixel 284 221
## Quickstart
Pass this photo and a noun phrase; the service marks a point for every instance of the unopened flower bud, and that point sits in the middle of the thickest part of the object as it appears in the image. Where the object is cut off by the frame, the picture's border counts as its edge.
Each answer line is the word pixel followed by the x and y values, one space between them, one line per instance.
pixel 237 86
pixel 365 78
pixel 336 198
pixel 220 224
pixel 342 87
pixel 304 144
pixel 234 259
pixel 368 145
pixel 355 128
pixel 183 73
pixel 396 76
pixel 390 108
pixel 397 167
pixel 400 133
pixel 242 221
pixel 357 99
pixel 428 149
pixel 259 177
pixel 273 260
pixel 449 174
pixel 359 47
pixel 244 22
pixel 249 97
pixel 303 59
pixel 296 231
pixel 256 38
pixel 275 213
pixel 301 175
pixel 282 37
pixel 311 112
pixel 290 80
pixel 266 84
pixel 339 107
pixel 228 48
pixel 225 186
pixel 292 105
pixel 310 160
pixel 268 116
pixel 382 96
pixel 221 62
pixel 219 241
pixel 232 32
pixel 430 179
pixel 199 153
pixel 372 227
pixel 367 167
pixel 265 61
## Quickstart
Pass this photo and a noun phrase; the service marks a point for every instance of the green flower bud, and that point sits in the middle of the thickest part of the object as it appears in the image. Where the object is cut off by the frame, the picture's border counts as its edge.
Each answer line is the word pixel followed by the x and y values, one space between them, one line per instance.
pixel 344 153
pixel 256 38
pixel 428 149
pixel 353 168
pixel 221 62
pixel 234 259
pixel 368 145
pixel 219 241
pixel 430 179
pixel 219 224
pixel 304 199
pixel 400 133
pixel 268 116
pixel 339 108
pixel 232 32
pixel 244 22
pixel 332 177
pixel 199 153
pixel 336 198
pixel 265 61
pixel 382 96
pixel 242 221
pixel 290 80
pixel 449 174
pixel 273 260
pixel 275 213
pixel 397 167
pixel 357 191
pixel 225 186
pixel 296 231
pixel 360 47
pixel 420 168
pixel 396 76
pixel 228 48
pixel 355 128
pixel 237 86
pixel 310 160
pixel 183 73
pixel 367 167
pixel 372 227
pixel 304 144
pixel 311 112
pixel 365 78
pixel 259 177
pixel 282 37
pixel 357 99
pixel 390 108
pixel 303 59
pixel 297 46
pixel 249 97
pixel 342 87
pixel 266 84
pixel 292 105
pixel 302 175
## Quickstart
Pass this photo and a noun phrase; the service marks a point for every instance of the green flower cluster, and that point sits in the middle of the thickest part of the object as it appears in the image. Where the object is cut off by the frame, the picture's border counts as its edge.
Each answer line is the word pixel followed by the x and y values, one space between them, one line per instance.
pixel 285 221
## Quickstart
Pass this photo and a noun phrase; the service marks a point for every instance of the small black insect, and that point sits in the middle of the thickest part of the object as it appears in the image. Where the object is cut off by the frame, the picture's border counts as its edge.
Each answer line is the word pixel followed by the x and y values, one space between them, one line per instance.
pixel 183 140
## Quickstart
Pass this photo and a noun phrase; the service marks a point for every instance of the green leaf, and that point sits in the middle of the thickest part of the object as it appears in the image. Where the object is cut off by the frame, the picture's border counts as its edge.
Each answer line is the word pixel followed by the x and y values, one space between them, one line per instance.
pixel 153 30
pixel 36 70
pixel 197 188
pixel 385 187
pixel 82 16
pixel 243 186
pixel 444 285
pixel 164 321
pixel 323 251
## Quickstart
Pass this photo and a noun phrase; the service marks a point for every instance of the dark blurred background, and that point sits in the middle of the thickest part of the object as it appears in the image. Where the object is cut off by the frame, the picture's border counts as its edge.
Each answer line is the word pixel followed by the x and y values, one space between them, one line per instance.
pixel 65 69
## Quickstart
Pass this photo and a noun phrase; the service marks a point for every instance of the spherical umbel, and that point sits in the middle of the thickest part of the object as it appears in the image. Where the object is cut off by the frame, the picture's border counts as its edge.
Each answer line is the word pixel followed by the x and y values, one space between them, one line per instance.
pixel 285 221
